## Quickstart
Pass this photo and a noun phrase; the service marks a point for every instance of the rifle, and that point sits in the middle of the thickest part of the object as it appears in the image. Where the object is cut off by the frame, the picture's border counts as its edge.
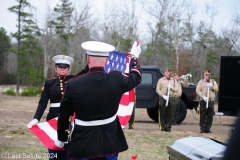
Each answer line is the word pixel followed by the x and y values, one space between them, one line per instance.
pixel 207 94
pixel 168 93
pixel 207 97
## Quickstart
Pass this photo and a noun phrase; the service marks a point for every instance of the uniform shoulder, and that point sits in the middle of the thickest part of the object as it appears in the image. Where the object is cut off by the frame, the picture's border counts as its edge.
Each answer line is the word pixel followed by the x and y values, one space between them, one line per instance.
pixel 115 72
pixel 74 78
pixel 51 79
pixel 201 81
pixel 161 79
pixel 69 77
pixel 213 80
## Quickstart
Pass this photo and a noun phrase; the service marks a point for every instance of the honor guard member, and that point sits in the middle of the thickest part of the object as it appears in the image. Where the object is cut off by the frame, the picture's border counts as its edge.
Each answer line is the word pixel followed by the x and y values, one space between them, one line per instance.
pixel 53 90
pixel 180 83
pixel 94 98
pixel 206 89
pixel 166 89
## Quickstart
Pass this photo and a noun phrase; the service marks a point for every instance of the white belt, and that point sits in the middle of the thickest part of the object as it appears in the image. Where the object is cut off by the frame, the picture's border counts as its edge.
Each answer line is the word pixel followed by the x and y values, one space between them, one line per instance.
pixel 96 122
pixel 54 104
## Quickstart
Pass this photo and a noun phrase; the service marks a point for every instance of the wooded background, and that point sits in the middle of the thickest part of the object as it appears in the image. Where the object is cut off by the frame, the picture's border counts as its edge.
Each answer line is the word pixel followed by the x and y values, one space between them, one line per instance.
pixel 170 33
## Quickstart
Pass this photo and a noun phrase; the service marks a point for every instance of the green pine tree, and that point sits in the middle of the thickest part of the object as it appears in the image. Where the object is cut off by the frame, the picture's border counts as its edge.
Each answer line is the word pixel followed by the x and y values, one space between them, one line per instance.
pixel 31 66
pixel 5 45
pixel 28 51
pixel 63 26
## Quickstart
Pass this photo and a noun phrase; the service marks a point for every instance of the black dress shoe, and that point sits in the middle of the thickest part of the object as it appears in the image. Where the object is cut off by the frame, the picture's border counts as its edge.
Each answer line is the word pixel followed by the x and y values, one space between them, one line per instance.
pixel 130 127
pixel 168 130
pixel 208 131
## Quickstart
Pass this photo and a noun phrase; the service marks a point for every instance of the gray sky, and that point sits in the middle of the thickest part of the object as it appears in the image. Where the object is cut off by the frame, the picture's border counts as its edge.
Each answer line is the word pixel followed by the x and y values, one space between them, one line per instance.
pixel 8 19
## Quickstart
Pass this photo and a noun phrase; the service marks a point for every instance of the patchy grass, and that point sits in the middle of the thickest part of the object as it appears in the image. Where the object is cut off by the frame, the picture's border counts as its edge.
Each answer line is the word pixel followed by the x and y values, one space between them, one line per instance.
pixel 148 144
pixel 145 139
pixel 22 153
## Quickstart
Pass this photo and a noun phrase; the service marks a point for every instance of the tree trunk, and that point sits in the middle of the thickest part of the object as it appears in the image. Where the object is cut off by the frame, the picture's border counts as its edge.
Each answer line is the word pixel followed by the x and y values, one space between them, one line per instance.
pixel 18 51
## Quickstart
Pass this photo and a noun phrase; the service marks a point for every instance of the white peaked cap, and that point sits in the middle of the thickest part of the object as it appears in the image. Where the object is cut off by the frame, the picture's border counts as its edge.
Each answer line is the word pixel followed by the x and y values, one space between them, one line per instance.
pixel 96 48
pixel 62 59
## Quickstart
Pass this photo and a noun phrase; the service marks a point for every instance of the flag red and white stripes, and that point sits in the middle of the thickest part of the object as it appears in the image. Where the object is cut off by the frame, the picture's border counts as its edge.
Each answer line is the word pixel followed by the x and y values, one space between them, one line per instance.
pixel 125 108
pixel 46 132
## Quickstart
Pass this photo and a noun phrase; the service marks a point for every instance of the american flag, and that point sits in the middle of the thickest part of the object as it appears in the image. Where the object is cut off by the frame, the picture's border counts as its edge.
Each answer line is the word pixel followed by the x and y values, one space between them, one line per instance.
pixel 117 61
pixel 120 61
pixel 46 132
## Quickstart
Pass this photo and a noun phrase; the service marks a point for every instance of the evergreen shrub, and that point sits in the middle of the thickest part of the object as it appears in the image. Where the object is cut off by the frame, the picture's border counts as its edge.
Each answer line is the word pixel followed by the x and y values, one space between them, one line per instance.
pixel 10 92
pixel 31 91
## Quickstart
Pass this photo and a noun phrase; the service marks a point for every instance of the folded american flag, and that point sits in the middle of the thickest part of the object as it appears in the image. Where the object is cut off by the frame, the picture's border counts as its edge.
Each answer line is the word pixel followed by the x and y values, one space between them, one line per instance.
pixel 46 132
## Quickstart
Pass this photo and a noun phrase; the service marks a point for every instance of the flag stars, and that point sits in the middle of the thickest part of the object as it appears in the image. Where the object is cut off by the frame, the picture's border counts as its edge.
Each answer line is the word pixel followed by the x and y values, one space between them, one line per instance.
pixel 111 57
pixel 116 61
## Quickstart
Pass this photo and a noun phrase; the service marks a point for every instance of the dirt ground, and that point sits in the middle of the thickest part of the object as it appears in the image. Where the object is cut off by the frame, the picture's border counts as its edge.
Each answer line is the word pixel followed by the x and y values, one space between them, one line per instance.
pixel 16 112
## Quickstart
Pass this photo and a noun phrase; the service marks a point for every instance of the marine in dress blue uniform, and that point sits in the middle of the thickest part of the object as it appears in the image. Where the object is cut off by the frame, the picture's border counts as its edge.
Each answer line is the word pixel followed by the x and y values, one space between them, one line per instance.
pixel 95 97
pixel 53 90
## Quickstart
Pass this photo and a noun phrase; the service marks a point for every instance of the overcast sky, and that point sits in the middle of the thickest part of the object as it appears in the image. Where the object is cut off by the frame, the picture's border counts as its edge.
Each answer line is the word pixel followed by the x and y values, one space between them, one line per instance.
pixel 8 19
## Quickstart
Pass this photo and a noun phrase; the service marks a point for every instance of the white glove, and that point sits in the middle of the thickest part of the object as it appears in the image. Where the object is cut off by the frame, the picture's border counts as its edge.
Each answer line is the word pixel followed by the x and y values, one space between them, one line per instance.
pixel 169 85
pixel 165 97
pixel 136 50
pixel 209 84
pixel 58 143
pixel 32 123
pixel 205 98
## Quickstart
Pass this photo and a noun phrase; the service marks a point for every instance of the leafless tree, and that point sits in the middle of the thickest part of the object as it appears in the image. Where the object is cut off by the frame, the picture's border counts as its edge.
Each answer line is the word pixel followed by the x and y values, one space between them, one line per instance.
pixel 47 39
pixel 164 19
pixel 156 17
pixel 83 23
pixel 205 37
pixel 120 23
pixel 189 32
